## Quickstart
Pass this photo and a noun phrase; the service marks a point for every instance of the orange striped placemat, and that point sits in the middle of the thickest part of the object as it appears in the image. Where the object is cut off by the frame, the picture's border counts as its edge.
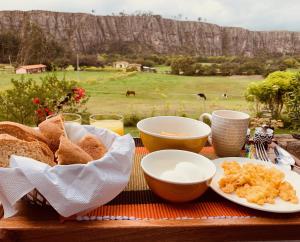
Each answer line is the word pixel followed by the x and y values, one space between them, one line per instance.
pixel 137 202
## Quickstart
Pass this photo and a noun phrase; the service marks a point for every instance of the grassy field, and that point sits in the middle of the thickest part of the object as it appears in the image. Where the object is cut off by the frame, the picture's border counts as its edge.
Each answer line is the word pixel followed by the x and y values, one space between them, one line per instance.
pixel 156 93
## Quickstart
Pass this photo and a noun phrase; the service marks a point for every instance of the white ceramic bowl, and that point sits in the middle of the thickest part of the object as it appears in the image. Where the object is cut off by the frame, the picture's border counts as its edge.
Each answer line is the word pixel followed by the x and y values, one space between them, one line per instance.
pixel 155 163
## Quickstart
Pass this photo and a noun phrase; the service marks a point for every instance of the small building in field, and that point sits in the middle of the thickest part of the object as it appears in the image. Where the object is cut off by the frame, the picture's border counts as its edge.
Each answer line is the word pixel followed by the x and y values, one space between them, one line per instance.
pixel 120 64
pixel 31 69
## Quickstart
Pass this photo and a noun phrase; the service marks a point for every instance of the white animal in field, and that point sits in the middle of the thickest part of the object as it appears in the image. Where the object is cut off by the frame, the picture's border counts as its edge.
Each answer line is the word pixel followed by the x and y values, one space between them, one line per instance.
pixel 224 95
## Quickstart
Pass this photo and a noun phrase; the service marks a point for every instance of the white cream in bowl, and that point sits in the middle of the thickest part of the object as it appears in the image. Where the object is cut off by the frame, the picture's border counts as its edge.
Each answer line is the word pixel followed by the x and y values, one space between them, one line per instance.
pixel 178 166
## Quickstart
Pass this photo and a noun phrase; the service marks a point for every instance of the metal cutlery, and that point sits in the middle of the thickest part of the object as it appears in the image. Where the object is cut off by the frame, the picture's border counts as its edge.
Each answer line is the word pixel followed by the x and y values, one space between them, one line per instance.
pixel 261 152
pixel 284 158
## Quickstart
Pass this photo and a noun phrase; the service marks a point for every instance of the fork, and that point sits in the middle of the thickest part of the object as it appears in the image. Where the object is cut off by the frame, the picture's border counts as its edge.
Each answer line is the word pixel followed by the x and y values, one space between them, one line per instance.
pixel 261 152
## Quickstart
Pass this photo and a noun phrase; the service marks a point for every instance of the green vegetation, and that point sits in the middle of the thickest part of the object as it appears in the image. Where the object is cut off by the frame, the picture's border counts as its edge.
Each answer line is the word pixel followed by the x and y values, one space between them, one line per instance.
pixel 156 93
pixel 29 102
pixel 227 66
pixel 271 92
pixel 293 102
pixel 279 91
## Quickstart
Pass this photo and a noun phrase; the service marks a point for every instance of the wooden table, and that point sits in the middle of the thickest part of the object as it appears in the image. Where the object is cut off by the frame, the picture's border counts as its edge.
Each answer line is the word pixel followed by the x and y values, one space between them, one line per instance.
pixel 33 223
pixel 36 224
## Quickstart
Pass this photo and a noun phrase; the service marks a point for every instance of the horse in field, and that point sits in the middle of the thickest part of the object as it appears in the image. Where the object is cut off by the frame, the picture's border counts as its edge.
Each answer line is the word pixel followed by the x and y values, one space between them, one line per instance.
pixel 128 93
pixel 202 95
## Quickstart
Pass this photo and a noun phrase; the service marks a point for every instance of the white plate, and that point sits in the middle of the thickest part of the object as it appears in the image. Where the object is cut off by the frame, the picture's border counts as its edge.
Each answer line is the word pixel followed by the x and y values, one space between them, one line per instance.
pixel 279 206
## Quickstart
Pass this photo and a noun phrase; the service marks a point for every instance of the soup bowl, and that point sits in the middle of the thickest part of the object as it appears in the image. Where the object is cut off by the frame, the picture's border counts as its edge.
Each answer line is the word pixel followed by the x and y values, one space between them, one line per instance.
pixel 172 132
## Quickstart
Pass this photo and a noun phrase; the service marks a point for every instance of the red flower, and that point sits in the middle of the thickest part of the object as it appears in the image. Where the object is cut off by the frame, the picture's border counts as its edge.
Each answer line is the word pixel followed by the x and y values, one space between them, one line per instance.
pixel 47 111
pixel 79 93
pixel 40 112
pixel 36 101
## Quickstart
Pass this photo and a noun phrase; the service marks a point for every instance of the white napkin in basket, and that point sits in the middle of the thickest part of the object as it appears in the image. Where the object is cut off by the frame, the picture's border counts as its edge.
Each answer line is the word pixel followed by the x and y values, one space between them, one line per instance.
pixel 73 188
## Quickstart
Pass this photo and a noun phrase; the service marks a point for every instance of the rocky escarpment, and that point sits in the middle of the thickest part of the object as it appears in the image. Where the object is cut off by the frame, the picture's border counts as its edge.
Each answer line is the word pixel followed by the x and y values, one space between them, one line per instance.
pixel 90 34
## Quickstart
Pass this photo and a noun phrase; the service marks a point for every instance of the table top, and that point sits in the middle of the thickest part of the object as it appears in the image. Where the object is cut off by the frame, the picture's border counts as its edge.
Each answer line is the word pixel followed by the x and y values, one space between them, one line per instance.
pixel 33 223
pixel 39 224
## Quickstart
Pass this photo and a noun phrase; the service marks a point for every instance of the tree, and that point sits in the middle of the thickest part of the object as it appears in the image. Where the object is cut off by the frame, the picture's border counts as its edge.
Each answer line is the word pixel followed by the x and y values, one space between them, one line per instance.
pixel 9 46
pixel 183 65
pixel 37 47
pixel 271 91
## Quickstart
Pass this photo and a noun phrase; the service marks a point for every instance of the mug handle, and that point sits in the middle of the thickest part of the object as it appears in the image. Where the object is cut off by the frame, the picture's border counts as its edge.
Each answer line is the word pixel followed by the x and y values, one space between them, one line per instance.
pixel 201 118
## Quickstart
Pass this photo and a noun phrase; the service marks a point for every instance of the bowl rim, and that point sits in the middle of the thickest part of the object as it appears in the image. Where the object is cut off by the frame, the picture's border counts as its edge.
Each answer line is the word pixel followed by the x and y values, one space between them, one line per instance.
pixel 174 137
pixel 178 183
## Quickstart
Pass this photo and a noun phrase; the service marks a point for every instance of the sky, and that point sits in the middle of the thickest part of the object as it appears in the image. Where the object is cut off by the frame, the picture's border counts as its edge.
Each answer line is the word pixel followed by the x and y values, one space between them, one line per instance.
pixel 250 14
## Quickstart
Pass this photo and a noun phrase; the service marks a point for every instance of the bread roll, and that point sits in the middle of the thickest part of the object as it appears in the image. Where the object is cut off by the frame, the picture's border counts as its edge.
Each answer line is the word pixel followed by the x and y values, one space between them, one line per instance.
pixel 22 132
pixel 69 153
pixel 37 150
pixel 53 129
pixel 92 145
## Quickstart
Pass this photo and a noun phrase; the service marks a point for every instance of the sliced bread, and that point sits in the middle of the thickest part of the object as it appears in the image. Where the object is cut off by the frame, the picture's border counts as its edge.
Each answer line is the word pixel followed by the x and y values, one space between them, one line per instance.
pixel 69 153
pixel 22 132
pixel 53 129
pixel 10 145
pixel 93 146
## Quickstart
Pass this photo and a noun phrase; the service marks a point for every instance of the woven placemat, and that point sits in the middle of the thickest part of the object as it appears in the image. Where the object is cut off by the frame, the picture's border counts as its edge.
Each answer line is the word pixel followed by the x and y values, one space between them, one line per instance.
pixel 137 202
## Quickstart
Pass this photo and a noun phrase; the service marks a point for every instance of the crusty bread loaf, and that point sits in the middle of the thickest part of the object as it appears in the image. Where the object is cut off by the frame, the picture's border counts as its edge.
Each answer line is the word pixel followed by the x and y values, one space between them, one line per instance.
pixel 22 132
pixel 93 146
pixel 69 153
pixel 53 129
pixel 37 150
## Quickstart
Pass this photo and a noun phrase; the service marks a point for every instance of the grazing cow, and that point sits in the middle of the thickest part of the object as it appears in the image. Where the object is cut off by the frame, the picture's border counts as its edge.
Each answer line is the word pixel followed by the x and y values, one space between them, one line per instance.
pixel 202 95
pixel 128 93
pixel 224 95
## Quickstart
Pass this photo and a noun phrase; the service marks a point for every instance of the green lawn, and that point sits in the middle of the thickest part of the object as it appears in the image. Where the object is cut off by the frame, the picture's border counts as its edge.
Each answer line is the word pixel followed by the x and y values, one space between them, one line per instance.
pixel 162 68
pixel 156 93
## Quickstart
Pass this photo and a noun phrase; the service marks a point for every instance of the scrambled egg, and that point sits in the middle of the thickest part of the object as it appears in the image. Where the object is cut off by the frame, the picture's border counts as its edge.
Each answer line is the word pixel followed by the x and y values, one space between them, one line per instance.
pixel 257 183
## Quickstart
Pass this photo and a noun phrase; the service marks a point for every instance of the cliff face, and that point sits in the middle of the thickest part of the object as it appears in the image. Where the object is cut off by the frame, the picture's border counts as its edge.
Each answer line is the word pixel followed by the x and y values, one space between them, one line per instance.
pixel 91 34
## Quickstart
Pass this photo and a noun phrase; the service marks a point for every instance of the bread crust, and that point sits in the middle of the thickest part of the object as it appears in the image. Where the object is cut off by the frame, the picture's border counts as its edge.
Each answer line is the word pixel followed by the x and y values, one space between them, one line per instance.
pixel 22 132
pixel 93 146
pixel 69 153
pixel 53 129
pixel 10 145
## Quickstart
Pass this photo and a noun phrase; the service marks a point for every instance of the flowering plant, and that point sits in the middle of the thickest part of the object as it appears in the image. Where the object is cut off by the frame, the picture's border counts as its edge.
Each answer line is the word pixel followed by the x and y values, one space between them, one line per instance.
pixel 29 102
pixel 75 97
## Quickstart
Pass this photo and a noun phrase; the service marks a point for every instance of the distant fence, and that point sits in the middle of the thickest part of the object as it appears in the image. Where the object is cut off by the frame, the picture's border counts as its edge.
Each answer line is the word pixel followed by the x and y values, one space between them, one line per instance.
pixel 7 69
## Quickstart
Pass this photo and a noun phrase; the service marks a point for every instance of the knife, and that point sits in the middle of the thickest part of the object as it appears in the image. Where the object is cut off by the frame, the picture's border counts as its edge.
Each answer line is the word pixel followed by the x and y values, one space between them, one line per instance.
pixel 284 158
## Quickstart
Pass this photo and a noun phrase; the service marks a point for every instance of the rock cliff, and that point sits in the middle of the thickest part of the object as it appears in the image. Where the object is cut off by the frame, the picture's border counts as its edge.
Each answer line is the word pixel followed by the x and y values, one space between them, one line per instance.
pixel 90 34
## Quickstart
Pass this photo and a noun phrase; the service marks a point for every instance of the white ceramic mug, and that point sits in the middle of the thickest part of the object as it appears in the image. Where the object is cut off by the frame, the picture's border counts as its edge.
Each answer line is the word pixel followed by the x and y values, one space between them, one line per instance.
pixel 229 130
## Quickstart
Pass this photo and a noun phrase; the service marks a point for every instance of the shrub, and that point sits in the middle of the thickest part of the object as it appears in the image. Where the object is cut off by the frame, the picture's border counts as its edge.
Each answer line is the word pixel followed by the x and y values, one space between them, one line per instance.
pixel 271 92
pixel 183 64
pixel 132 119
pixel 29 103
pixel 148 63
pixel 290 62
pixel 131 69
pixel 88 60
pixel 70 68
pixel 293 103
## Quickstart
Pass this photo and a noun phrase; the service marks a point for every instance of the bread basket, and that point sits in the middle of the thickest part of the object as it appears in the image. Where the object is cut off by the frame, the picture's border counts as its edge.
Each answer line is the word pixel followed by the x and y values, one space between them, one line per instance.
pixel 35 198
